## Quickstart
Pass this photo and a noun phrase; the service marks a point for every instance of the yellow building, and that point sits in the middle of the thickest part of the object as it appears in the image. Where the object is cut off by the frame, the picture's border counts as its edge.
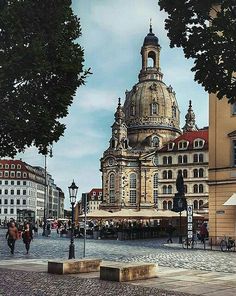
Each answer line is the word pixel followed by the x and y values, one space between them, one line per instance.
pixel 147 147
pixel 222 167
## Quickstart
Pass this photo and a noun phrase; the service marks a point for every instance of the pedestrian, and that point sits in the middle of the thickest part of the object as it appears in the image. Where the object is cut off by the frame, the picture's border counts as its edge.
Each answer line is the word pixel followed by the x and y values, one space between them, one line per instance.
pixel 12 235
pixel 170 229
pixel 203 232
pixel 27 236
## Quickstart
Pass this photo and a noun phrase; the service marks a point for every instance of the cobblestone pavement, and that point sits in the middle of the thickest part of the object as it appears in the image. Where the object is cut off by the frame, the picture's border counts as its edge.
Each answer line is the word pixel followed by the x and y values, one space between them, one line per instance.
pixel 127 251
pixel 22 283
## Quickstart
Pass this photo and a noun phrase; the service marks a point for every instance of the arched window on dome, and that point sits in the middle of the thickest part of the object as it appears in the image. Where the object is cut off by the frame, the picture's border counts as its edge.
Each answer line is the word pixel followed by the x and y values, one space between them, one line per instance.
pixel 132 110
pixel 155 141
pixel 173 111
pixel 154 108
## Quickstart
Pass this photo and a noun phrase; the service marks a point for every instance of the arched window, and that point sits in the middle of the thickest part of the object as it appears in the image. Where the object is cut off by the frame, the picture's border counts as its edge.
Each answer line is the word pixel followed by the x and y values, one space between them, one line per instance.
pixel 180 159
pixel 164 189
pixel 195 204
pixel 185 174
pixel 132 110
pixel 164 175
pixel 174 111
pixel 155 188
pixel 164 160
pixel 169 176
pixel 185 189
pixel 195 173
pixel 151 59
pixel 195 158
pixel 200 203
pixel 155 141
pixel 169 160
pixel 201 173
pixel 133 189
pixel 154 108
pixel 201 157
pixel 113 143
pixel 112 188
pixel 200 188
pixel 169 189
pixel 164 205
pixel 169 205
pixel 185 159
pixel 195 188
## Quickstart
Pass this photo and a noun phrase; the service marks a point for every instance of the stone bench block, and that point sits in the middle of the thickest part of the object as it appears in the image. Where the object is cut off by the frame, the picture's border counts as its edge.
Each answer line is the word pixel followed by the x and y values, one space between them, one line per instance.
pixel 74 266
pixel 122 272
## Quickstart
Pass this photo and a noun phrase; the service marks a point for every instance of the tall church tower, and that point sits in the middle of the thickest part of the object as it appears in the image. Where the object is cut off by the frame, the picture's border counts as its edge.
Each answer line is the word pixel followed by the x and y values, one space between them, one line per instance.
pixel 148 119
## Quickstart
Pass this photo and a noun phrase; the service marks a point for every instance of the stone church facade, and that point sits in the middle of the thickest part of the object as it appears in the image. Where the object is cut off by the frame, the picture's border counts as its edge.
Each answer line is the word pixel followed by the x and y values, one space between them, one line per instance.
pixel 140 166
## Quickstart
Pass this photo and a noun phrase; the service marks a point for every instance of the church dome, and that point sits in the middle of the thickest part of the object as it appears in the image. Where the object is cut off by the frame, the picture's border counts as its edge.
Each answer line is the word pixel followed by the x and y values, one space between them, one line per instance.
pixel 151 105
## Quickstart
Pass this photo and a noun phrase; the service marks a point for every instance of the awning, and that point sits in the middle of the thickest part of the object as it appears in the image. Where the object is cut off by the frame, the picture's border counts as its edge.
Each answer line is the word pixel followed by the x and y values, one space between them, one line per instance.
pixel 231 201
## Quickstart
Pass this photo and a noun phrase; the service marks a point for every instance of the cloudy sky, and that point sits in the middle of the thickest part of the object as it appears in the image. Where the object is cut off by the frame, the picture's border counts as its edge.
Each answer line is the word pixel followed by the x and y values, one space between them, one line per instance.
pixel 113 33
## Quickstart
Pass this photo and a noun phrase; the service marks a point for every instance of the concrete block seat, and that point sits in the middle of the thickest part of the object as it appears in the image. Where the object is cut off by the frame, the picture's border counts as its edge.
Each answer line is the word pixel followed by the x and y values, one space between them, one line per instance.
pixel 74 266
pixel 123 271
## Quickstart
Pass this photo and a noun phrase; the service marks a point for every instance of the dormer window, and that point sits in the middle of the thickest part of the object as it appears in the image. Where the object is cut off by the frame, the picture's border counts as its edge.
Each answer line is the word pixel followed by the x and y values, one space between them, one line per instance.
pixel 182 145
pixel 174 111
pixel 198 143
pixel 170 146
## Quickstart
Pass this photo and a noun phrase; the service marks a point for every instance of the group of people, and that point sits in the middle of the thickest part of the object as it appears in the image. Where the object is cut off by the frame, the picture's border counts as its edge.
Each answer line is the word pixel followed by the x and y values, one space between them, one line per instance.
pixel 13 234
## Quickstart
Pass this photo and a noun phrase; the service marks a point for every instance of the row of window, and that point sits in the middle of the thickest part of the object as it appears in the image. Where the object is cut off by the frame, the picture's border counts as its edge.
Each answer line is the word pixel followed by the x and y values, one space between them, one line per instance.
pixel 197 173
pixel 167 205
pixel 13 174
pixel 11 211
pixel 12 166
pixel 197 188
pixel 13 192
pixel 12 201
pixel 183 145
pixel 154 109
pixel 12 182
pixel 196 158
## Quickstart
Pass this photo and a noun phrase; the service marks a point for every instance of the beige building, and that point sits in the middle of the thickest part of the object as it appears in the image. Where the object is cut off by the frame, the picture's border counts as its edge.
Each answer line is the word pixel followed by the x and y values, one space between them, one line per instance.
pixel 222 167
pixel 147 146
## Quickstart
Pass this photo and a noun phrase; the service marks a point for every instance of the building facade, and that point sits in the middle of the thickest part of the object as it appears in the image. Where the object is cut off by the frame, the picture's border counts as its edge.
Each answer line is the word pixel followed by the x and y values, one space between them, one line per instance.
pixel 22 187
pixel 147 146
pixel 222 167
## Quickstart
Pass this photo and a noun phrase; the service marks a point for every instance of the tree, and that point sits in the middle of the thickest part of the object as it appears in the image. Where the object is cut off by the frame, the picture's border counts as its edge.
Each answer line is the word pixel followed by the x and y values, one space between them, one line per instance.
pixel 41 67
pixel 213 47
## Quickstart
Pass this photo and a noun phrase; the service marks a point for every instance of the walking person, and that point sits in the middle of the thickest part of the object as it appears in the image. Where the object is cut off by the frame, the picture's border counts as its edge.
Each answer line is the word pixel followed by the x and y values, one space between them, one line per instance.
pixel 170 229
pixel 27 236
pixel 12 235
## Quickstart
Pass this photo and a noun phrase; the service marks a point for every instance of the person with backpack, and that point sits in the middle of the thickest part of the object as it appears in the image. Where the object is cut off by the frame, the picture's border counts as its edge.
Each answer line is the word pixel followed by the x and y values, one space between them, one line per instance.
pixel 27 237
pixel 12 235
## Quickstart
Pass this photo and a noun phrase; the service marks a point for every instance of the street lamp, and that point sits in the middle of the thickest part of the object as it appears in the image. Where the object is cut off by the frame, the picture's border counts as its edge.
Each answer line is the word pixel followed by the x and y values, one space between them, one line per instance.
pixel 73 189
pixel 46 151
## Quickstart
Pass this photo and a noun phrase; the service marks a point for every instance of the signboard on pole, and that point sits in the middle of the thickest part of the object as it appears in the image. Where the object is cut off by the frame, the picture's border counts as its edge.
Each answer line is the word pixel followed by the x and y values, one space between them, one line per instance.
pixel 190 221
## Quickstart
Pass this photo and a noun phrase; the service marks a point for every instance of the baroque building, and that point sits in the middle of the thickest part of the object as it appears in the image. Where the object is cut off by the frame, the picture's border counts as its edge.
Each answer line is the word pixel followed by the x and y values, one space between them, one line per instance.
pixel 140 166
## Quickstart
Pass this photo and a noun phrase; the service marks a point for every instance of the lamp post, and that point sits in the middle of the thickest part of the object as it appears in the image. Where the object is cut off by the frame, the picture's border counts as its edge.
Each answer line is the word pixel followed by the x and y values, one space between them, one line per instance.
pixel 45 187
pixel 73 189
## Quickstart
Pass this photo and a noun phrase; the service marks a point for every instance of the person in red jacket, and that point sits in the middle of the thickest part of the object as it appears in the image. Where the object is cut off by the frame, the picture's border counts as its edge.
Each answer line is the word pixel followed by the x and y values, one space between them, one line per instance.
pixel 12 236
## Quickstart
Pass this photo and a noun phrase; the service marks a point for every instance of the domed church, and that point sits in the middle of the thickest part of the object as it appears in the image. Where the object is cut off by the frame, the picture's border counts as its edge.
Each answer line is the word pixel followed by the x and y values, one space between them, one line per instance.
pixel 148 121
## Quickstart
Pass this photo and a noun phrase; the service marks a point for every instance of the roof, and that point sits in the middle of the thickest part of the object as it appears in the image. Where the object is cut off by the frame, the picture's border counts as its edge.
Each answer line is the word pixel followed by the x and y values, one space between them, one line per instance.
pixel 189 136
pixel 151 38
